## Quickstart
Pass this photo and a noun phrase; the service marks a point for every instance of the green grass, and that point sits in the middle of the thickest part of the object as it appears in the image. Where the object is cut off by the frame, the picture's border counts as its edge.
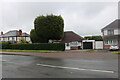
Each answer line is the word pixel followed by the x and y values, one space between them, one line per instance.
pixel 49 51
pixel 118 52
pixel 90 51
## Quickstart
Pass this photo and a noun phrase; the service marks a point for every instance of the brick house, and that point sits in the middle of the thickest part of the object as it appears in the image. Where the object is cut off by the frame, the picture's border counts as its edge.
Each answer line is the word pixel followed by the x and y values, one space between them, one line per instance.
pixel 14 36
pixel 111 34
pixel 72 40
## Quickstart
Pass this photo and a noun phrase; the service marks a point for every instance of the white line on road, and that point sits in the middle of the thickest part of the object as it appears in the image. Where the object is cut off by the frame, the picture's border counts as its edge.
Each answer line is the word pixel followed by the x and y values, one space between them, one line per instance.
pixel 95 70
pixel 3 60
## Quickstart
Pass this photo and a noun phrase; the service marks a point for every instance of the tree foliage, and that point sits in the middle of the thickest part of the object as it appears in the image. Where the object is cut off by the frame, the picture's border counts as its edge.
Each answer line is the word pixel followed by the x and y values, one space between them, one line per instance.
pixel 96 38
pixel 34 37
pixel 50 27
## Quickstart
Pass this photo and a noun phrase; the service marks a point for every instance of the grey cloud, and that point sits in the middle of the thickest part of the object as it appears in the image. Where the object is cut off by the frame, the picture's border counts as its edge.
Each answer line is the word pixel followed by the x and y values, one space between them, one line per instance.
pixel 83 18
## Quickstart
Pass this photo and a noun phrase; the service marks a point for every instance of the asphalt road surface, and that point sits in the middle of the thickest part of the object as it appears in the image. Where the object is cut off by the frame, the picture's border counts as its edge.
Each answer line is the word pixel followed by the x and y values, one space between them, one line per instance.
pixel 18 66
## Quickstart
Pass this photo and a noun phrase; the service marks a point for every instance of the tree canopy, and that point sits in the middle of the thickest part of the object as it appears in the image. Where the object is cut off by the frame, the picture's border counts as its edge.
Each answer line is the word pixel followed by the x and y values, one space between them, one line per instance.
pixel 50 27
pixel 96 38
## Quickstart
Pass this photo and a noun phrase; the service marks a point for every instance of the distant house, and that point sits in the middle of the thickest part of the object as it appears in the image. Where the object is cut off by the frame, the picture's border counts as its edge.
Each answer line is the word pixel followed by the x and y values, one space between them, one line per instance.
pixel 14 36
pixel 111 34
pixel 72 40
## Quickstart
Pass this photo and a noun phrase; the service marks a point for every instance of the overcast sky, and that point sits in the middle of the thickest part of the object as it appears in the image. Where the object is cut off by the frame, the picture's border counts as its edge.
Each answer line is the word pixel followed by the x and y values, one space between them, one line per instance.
pixel 84 18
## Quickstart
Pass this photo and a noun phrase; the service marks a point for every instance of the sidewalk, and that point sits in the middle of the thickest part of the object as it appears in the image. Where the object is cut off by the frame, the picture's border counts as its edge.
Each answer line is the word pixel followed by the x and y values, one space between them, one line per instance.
pixel 66 54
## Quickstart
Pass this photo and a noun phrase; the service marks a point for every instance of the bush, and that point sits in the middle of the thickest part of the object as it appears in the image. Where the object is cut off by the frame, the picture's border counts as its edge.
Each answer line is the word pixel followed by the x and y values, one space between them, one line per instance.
pixel 5 45
pixel 34 37
pixel 95 37
pixel 38 46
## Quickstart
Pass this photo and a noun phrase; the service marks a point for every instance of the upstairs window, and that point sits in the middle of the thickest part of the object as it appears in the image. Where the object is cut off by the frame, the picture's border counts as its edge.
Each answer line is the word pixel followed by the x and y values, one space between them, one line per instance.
pixel 110 32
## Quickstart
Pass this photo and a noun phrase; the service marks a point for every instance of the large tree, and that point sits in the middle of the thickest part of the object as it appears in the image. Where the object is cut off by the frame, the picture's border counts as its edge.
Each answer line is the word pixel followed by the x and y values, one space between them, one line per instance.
pixel 34 38
pixel 50 27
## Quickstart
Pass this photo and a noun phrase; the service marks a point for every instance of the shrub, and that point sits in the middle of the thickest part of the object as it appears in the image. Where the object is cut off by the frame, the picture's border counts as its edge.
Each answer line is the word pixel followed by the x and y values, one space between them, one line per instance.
pixel 38 46
pixel 5 45
pixel 34 37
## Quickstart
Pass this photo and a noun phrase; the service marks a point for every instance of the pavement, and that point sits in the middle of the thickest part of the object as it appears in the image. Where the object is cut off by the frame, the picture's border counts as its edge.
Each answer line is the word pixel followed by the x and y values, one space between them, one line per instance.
pixel 68 64
pixel 65 54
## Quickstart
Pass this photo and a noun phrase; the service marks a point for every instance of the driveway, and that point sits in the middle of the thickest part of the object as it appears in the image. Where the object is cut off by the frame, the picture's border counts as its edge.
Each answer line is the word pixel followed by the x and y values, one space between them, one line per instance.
pixel 70 64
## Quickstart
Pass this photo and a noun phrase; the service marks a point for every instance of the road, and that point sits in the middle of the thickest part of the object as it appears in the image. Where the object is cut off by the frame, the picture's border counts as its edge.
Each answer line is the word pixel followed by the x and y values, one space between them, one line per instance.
pixel 18 66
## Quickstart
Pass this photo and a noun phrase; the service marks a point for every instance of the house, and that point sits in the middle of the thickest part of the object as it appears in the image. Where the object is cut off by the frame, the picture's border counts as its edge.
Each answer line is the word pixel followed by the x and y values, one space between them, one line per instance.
pixel 111 34
pixel 72 40
pixel 14 36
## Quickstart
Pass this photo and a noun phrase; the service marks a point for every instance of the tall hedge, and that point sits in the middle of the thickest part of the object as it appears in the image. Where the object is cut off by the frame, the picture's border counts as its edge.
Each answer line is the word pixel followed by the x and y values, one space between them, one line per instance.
pixel 5 45
pixel 38 46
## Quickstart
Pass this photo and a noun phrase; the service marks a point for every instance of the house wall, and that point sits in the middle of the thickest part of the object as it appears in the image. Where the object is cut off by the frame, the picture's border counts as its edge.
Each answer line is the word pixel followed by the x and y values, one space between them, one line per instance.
pixel 106 46
pixel 15 39
pixel 108 43
pixel 18 38
pixel 112 40
pixel 67 46
pixel 72 45
pixel 28 39
pixel 116 32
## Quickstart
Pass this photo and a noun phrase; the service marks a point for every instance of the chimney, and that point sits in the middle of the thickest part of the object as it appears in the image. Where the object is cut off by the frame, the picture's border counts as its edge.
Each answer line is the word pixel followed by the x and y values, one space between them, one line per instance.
pixel 20 32
pixel 1 33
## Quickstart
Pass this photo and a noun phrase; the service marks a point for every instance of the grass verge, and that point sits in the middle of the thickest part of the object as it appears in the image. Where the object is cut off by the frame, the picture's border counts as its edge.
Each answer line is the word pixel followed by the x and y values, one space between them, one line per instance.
pixel 90 51
pixel 118 52
pixel 49 51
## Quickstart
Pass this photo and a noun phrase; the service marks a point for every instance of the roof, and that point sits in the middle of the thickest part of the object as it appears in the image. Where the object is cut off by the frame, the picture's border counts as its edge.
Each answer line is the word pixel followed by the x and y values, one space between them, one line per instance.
pixel 14 33
pixel 113 25
pixel 25 34
pixel 70 36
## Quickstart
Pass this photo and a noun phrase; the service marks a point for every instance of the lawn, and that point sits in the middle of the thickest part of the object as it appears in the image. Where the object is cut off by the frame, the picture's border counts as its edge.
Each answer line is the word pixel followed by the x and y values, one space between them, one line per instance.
pixel 118 52
pixel 30 50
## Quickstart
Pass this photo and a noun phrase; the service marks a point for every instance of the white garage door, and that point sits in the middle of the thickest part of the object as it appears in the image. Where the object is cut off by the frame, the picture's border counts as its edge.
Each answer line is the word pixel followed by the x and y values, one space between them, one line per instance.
pixel 98 44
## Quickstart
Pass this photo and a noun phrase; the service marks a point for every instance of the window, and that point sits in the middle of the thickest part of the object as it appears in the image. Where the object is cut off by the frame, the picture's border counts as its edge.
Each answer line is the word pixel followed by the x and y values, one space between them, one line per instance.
pixel 106 42
pixel 75 43
pixel 110 42
pixel 110 32
pixel 68 44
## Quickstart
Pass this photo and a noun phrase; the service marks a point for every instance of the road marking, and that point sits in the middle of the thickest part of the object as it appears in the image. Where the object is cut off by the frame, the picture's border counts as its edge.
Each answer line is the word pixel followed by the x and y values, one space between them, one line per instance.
pixel 3 60
pixel 95 70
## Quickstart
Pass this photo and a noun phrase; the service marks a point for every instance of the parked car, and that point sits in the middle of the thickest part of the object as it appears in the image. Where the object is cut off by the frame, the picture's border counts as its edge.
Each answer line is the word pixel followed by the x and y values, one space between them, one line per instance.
pixel 114 47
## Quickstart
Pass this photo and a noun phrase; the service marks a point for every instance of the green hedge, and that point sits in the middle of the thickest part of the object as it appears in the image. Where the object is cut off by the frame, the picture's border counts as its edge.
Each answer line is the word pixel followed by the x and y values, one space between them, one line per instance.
pixel 5 45
pixel 36 46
